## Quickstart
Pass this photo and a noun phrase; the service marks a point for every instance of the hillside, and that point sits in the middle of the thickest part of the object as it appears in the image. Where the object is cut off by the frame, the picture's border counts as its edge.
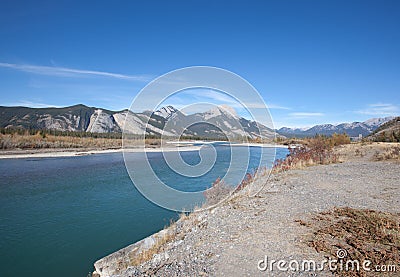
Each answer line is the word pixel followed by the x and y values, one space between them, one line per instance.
pixel 387 132
pixel 73 118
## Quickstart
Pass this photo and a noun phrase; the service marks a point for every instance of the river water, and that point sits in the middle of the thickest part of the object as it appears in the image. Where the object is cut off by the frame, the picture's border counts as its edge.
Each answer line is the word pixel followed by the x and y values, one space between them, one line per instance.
pixel 59 215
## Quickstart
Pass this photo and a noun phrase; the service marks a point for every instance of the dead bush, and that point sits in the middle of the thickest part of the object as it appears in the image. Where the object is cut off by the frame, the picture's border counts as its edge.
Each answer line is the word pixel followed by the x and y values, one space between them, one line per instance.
pixel 363 234
pixel 317 150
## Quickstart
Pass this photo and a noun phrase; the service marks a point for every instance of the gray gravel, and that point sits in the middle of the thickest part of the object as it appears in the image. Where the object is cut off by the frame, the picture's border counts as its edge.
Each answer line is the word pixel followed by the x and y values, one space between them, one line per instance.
pixel 230 239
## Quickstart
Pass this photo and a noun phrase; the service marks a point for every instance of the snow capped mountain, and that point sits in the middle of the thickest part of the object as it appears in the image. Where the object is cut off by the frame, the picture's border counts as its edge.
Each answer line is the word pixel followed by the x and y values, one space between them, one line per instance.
pixel 352 129
pixel 217 122
pixel 221 110
pixel 288 130
pixel 228 110
pixel 376 122
pixel 166 112
pixel 323 127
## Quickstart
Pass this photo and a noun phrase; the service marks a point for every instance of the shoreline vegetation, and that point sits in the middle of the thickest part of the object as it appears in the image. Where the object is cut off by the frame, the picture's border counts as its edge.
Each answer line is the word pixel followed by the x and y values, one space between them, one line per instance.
pixel 307 199
pixel 20 143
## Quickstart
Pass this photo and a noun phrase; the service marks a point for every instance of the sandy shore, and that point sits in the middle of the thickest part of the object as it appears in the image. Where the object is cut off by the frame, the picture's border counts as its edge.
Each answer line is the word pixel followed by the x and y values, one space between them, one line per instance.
pixel 56 153
pixel 266 145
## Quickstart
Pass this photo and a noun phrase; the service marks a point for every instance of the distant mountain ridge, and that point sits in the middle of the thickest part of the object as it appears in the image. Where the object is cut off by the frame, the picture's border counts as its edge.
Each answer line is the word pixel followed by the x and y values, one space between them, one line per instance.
pixel 353 129
pixel 216 123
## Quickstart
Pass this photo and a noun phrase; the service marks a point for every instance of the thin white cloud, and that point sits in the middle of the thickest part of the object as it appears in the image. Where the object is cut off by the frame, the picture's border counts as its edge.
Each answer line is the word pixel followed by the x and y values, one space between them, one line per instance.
pixel 277 107
pixel 305 114
pixel 380 109
pixel 220 97
pixel 30 104
pixel 212 95
pixel 71 72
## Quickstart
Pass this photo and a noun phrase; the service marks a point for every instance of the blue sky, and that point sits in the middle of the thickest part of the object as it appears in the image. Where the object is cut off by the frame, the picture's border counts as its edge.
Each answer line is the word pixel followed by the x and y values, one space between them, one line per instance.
pixel 312 61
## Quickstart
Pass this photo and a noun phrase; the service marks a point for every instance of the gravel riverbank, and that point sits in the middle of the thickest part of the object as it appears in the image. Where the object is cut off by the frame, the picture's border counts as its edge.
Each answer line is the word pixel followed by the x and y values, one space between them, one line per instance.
pixel 231 239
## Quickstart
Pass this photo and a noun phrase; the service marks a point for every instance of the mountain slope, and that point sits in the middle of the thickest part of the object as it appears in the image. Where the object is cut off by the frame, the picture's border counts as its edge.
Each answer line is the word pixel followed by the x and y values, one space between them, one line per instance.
pixel 389 131
pixel 74 118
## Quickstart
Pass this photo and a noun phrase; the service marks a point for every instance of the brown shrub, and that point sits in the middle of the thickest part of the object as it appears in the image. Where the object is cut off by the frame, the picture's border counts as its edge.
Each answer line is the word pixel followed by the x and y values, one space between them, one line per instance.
pixel 247 180
pixel 339 139
pixel 363 234
pixel 317 150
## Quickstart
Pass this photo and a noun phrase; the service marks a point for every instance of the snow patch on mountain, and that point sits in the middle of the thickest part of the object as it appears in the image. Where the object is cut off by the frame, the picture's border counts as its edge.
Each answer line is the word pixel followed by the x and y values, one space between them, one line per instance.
pixel 166 112
pixel 376 122
pixel 212 113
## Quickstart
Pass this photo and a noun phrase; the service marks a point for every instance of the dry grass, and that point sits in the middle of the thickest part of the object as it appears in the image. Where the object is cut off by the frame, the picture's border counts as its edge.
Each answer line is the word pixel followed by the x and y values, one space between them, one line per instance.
pixel 162 239
pixel 390 154
pixel 48 141
pixel 218 191
pixel 364 234
pixel 170 233
pixel 156 248
pixel 39 141
pixel 373 151
pixel 153 142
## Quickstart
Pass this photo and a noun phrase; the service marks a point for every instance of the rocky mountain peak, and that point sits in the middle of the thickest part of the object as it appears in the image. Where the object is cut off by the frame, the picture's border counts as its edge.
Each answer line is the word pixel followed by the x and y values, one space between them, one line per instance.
pixel 166 112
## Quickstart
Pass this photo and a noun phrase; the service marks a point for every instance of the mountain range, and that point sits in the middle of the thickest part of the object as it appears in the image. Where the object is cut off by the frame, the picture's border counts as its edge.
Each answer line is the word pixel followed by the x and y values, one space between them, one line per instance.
pixel 219 122
pixel 353 129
